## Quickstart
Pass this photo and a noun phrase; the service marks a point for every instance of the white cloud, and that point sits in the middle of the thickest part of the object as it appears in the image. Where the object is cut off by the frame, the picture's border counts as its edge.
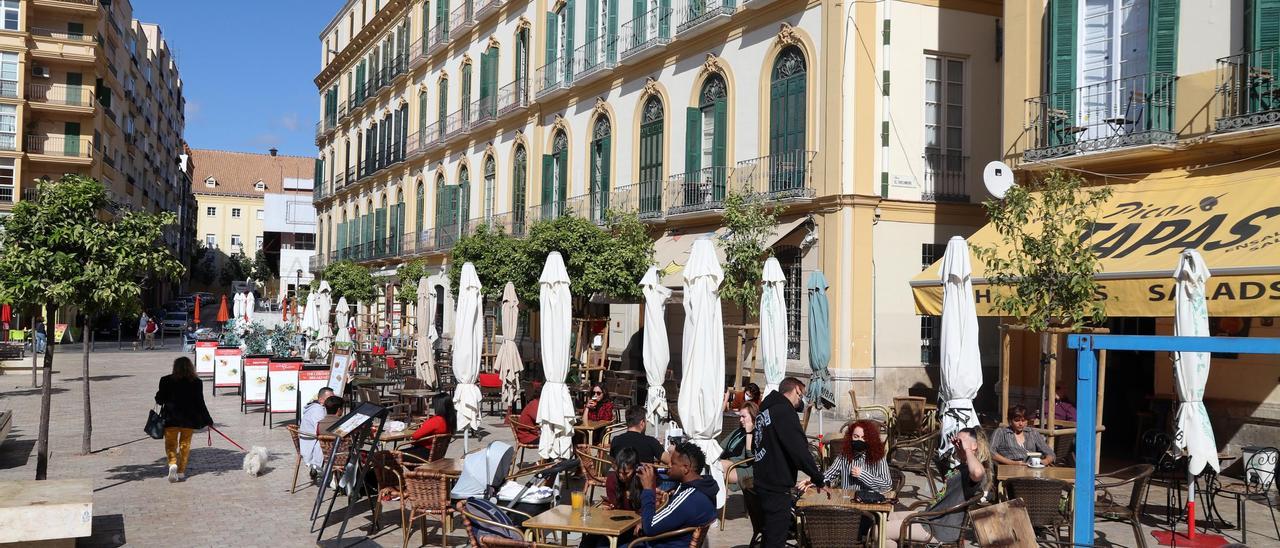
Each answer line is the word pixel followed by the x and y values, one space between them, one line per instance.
pixel 289 122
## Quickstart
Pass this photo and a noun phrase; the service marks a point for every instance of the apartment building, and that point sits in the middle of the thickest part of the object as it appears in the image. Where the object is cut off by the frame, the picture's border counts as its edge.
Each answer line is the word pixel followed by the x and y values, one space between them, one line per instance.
pixel 247 202
pixel 440 116
pixel 1175 104
pixel 85 88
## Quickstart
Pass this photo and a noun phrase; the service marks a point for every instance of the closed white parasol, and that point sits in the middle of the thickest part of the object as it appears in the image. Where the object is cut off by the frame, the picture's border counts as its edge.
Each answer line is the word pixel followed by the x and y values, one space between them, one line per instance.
pixel 702 356
pixel 961 364
pixel 655 349
pixel 555 410
pixel 468 334
pixel 773 325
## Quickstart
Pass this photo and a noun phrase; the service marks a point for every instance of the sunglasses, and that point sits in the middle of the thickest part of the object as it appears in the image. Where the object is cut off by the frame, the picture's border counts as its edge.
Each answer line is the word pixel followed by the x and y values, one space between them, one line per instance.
pixel 597 392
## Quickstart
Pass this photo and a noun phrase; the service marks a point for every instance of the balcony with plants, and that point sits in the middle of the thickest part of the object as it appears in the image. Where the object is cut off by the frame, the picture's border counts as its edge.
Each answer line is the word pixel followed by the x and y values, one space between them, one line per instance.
pixel 1125 112
pixel 1248 95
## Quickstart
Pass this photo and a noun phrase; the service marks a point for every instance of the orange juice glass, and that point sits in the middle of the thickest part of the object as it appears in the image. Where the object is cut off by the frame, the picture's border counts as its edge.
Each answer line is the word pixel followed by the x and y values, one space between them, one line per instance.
pixel 576 500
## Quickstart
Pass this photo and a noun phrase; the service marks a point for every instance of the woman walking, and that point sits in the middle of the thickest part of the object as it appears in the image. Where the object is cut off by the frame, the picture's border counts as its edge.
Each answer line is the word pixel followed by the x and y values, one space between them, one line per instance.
pixel 182 405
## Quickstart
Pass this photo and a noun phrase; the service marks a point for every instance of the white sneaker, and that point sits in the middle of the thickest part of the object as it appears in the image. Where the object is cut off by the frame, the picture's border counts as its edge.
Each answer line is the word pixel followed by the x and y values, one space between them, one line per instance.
pixel 173 473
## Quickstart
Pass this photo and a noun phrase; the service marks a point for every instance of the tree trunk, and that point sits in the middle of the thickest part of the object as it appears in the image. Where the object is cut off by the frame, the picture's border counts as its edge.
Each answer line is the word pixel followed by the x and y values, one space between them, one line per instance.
pixel 85 340
pixel 35 311
pixel 46 397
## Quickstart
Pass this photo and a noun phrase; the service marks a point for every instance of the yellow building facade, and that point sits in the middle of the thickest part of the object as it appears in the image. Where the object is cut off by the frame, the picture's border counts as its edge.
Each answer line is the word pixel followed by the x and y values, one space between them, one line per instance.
pixel 858 120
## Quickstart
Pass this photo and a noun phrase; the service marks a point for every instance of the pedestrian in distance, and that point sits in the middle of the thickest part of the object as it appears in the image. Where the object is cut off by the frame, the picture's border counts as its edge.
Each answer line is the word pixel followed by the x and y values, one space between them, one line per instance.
pixel 150 332
pixel 142 326
pixel 181 400
pixel 41 338
pixel 781 450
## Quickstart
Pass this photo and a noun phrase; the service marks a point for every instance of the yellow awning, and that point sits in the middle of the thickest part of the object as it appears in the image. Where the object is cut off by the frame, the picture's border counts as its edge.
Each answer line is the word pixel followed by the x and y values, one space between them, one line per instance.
pixel 1233 219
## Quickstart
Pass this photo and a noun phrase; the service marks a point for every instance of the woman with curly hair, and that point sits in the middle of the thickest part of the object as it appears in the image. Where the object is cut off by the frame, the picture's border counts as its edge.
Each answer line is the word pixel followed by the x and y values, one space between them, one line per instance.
pixel 862 460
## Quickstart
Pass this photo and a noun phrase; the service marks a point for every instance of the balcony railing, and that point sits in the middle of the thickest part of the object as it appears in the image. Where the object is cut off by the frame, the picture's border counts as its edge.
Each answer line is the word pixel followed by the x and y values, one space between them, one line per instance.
pixel 6 194
pixel 782 176
pixel 463 17
pixel 434 133
pixel 513 96
pixel 458 121
pixel 485 7
pixel 553 76
pixel 339 181
pixel 9 88
pixel 484 109
pixel 63 35
pixel 699 190
pixel 439 37
pixel 945 177
pixel 1248 93
pixel 57 145
pixel 60 94
pixel 413 146
pixel 90 3
pixel 1138 110
pixel 595 56
pixel 692 14
pixel 417 53
pixel 649 30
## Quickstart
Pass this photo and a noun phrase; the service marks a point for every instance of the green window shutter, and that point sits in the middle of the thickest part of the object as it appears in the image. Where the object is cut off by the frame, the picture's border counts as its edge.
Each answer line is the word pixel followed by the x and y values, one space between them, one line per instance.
pixel 419 208
pixel 380 229
pixel 319 170
pixel 593 9
pixel 342 236
pixel 444 102
pixel 611 44
pixel 360 82
pixel 605 145
pixel 442 17
pixel 1262 24
pixel 562 189
pixel 777 116
pixel 568 42
pixel 548 179
pixel 486 60
pixel 71 143
pixel 550 77
pixel 1163 36
pixel 422 113
pixel 1061 76
pixel 639 22
pixel 692 140
pixel 718 146
pixel 664 18
pixel 466 92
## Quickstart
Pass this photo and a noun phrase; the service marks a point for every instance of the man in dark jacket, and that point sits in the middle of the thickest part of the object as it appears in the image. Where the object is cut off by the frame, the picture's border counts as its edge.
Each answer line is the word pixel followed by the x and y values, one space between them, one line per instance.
pixel 692 504
pixel 781 451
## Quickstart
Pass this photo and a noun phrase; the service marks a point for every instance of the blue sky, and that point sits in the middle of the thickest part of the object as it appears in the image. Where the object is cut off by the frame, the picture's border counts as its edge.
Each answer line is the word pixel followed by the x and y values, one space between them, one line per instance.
pixel 247 68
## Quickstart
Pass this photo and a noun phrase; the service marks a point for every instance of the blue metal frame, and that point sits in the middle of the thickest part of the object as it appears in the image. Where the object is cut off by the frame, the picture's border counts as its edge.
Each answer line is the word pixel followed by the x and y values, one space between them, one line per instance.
pixel 1087 396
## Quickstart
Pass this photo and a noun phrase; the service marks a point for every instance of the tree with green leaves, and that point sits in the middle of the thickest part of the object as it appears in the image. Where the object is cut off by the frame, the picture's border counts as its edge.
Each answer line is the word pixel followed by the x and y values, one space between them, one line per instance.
pixel 202 264
pixel 409 273
pixel 62 249
pixel 1043 268
pixel 606 261
pixel 350 280
pixel 262 270
pixel 749 224
pixel 498 259
pixel 236 268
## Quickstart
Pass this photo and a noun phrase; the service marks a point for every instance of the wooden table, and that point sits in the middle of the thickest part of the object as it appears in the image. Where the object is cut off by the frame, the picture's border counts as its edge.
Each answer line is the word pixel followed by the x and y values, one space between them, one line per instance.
pixel 1006 471
pixel 397 437
pixel 589 427
pixel 417 394
pixel 451 467
pixel 844 499
pixel 565 519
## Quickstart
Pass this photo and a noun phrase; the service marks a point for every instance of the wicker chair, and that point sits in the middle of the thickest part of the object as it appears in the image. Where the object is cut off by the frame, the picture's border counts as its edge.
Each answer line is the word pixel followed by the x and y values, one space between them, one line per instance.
pixel 1107 509
pixel 1042 498
pixel 1259 476
pixel 296 437
pixel 470 521
pixel 517 427
pixel 426 493
pixel 924 518
pixel 833 526
pixel 740 464
pixel 340 459
pixel 439 446
pixel 595 463
pixel 389 471
pixel 699 535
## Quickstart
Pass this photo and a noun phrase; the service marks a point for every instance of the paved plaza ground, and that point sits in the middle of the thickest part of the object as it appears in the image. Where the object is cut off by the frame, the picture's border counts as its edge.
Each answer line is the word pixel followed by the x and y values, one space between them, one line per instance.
pixel 219 505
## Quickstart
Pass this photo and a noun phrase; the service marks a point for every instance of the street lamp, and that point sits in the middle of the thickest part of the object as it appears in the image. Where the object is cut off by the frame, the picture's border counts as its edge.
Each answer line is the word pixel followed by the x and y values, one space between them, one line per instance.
pixel 297 290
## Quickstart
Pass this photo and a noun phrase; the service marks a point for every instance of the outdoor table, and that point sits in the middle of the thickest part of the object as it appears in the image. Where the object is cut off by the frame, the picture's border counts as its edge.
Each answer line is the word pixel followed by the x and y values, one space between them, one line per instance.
pixel 451 467
pixel 589 427
pixel 418 394
pixel 367 382
pixel 1006 471
pixel 565 519
pixel 844 498
pixel 397 437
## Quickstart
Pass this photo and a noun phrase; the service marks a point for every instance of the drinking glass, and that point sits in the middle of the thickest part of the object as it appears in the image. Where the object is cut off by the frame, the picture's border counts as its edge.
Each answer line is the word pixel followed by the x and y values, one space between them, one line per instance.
pixel 576 499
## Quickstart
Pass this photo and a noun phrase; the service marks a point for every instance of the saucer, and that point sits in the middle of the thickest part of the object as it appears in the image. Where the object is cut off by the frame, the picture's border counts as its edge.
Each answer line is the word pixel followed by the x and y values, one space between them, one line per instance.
pixel 1036 467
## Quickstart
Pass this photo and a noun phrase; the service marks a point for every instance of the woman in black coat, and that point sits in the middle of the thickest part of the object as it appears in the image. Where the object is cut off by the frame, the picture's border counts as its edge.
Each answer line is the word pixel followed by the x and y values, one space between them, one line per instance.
pixel 182 405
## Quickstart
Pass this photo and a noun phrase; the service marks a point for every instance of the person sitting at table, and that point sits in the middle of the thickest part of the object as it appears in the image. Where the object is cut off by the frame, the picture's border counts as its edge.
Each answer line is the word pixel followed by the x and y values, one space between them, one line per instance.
pixel 971 478
pixel 734 400
pixel 646 447
pixel 444 420
pixel 333 412
pixel 738 447
pixel 308 445
pixel 691 504
pixel 529 416
pixel 862 461
pixel 599 408
pixel 1010 444
pixel 622 492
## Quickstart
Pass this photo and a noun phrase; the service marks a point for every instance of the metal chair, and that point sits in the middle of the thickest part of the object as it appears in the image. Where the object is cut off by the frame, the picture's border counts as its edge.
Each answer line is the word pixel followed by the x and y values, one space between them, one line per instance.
pixel 1043 499
pixel 1259 475
pixel 426 493
pixel 1169 470
pixel 834 526
pixel 1107 509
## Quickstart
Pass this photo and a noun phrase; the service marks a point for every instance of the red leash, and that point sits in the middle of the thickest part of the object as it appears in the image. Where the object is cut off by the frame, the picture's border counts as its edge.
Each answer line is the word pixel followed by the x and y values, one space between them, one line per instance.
pixel 224 436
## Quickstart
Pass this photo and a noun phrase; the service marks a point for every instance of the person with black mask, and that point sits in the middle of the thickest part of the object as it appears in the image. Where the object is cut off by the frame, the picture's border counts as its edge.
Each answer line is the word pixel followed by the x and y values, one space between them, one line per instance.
pixel 781 450
pixel 861 464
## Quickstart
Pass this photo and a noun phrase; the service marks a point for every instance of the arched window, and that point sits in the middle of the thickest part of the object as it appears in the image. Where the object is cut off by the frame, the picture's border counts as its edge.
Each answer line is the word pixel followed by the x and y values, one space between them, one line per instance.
pixel 466 91
pixel 601 134
pixel 790 259
pixel 490 181
pixel 555 176
pixel 464 199
pixel 787 120
pixel 419 207
pixel 651 135
pixel 705 158
pixel 519 174
pixel 443 109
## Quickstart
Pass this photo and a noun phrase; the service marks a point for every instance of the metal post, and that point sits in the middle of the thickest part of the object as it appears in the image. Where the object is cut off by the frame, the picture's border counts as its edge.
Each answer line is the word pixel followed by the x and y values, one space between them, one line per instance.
pixel 1086 406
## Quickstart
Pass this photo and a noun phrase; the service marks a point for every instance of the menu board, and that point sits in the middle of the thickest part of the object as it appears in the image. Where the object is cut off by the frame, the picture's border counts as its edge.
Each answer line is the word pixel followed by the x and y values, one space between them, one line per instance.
pixel 283 380
pixel 310 381
pixel 204 357
pixel 226 366
pixel 339 365
pixel 255 379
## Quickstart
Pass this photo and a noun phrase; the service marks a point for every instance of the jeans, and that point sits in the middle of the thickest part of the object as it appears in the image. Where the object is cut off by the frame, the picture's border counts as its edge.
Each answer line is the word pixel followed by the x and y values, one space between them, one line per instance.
pixel 177 446
pixel 776 510
pixel 40 343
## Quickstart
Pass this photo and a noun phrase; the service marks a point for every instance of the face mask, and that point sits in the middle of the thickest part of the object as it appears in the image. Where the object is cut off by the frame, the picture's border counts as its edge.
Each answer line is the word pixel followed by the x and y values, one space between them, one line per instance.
pixel 799 406
pixel 858 446
pixel 747 396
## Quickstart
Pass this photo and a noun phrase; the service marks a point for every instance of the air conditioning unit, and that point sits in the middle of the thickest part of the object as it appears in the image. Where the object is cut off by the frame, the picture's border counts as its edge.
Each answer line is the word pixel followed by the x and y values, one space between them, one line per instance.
pixel 39 71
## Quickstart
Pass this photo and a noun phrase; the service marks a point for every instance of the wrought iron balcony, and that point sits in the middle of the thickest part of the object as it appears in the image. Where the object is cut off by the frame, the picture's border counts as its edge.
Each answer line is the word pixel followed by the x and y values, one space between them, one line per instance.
pixel 414 145
pixel 547 211
pixel 459 121
pixel 417 53
pixel 1248 94
pixel 649 30
pixel 695 16
pixel 483 110
pixel 700 190
pixel 485 7
pixel 439 37
pixel 60 94
pixel 513 96
pixel 945 177
pixel 782 176
pixel 59 145
pixel 463 17
pixel 434 133
pixel 1138 110
pixel 553 76
pixel 594 57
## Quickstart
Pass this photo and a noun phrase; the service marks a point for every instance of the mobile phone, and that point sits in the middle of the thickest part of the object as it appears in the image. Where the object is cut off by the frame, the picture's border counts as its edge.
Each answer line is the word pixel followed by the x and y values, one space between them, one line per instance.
pixel 661 470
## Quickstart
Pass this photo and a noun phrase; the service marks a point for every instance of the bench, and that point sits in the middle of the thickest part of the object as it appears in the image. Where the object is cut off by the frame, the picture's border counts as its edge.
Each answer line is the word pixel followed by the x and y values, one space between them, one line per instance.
pixel 46 513
pixel 6 422
pixel 10 351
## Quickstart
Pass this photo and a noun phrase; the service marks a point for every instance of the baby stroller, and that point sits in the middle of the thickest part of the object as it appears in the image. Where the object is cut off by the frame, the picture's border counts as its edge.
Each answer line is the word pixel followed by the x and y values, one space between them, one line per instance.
pixel 484 485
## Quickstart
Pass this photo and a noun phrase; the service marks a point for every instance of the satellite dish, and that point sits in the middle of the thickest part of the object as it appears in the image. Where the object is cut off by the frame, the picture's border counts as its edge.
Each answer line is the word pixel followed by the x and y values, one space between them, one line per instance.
pixel 998 178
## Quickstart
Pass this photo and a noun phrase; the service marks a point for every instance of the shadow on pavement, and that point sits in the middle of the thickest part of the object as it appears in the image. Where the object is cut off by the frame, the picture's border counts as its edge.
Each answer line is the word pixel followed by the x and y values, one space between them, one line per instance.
pixel 97 378
pixel 16 452
pixel 108 532
pixel 31 392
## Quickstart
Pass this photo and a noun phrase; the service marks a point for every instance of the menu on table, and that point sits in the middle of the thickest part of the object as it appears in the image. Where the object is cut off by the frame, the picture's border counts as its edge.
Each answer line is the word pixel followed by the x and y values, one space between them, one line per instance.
pixel 282 378
pixel 255 379
pixel 226 366
pixel 204 357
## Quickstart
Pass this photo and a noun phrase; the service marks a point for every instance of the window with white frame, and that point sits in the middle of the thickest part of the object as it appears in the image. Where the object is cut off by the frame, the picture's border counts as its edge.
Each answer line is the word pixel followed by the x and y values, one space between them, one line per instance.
pixel 211 211
pixel 236 241
pixel 208 181
pixel 9 14
pixel 8 127
pixel 8 74
pixel 6 179
pixel 235 213
pixel 944 114
pixel 257 243
pixel 211 241
pixel 261 214
pixel 259 186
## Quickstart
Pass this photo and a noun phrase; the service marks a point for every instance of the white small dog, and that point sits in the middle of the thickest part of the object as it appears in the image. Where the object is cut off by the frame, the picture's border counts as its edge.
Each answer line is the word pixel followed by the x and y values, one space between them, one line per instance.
pixel 254 460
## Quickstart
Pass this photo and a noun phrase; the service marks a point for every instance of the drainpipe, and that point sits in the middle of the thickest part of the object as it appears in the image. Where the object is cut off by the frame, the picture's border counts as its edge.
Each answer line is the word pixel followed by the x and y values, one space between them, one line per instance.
pixel 886 26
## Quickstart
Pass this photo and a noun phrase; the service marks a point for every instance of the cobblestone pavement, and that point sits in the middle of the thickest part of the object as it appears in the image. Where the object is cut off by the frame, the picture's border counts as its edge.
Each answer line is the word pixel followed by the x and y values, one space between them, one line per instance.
pixel 219 505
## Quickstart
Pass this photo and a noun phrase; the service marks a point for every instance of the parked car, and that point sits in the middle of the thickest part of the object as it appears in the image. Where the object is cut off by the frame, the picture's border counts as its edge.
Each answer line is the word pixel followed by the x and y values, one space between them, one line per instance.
pixel 175 322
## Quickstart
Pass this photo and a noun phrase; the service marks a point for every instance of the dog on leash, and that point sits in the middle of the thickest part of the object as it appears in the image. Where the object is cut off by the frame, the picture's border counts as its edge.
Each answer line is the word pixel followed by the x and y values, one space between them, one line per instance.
pixel 254 460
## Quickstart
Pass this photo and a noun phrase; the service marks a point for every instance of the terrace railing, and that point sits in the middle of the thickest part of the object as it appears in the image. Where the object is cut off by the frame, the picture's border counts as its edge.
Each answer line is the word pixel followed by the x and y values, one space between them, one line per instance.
pixel 1248 93
pixel 1138 110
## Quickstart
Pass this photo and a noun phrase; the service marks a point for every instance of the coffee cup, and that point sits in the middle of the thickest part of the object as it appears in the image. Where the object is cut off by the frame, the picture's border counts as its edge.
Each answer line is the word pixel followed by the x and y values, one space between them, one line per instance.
pixel 1033 459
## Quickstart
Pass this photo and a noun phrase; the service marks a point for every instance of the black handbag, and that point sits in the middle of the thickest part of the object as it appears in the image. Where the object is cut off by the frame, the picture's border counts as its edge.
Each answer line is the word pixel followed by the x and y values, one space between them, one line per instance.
pixel 155 425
